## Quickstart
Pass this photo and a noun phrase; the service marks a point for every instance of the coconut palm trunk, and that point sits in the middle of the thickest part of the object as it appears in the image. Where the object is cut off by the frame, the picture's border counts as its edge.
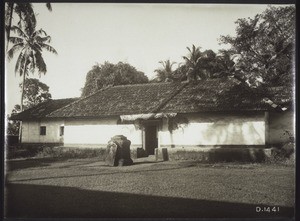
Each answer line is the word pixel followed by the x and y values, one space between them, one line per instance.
pixel 22 107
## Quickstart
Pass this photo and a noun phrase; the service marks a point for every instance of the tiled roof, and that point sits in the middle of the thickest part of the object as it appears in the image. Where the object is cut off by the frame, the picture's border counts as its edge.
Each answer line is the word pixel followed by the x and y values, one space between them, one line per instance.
pixel 121 100
pixel 215 95
pixel 227 94
pixel 280 95
pixel 42 109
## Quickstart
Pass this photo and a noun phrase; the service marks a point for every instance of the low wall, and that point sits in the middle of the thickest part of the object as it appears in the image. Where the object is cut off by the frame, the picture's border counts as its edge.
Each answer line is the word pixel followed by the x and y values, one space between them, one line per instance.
pixel 215 154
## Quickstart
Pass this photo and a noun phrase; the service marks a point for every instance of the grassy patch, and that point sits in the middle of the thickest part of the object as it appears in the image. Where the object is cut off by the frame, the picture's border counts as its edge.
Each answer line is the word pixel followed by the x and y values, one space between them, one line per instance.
pixel 63 152
pixel 54 152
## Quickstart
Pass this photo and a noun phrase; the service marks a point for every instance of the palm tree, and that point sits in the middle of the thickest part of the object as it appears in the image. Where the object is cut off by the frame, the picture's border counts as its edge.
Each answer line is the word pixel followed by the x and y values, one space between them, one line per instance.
pixel 165 73
pixel 26 16
pixel 30 47
pixel 193 61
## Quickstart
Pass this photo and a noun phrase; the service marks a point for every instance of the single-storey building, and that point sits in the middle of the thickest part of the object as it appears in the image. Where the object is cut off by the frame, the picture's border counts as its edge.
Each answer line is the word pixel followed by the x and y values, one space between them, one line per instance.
pixel 172 120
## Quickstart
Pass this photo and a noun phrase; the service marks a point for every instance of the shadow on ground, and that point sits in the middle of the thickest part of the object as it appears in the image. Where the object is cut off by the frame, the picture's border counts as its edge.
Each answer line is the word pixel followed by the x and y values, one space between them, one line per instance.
pixel 41 201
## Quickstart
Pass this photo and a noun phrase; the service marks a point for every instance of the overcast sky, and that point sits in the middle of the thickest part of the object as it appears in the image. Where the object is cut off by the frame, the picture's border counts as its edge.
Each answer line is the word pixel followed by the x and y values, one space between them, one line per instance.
pixel 140 34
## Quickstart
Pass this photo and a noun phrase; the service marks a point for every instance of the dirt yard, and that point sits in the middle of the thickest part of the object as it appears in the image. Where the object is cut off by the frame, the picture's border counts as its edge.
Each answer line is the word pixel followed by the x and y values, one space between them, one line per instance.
pixel 87 188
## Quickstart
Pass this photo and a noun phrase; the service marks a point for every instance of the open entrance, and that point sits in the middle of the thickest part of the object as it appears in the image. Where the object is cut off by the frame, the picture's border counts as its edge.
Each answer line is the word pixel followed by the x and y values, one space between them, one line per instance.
pixel 151 140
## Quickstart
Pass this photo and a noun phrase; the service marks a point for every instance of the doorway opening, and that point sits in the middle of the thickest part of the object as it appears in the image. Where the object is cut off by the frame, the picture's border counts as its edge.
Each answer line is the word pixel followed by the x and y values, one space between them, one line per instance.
pixel 151 138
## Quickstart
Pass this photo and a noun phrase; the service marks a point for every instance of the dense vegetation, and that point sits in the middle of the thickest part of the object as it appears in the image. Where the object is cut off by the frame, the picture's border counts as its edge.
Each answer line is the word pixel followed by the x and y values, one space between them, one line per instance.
pixel 102 75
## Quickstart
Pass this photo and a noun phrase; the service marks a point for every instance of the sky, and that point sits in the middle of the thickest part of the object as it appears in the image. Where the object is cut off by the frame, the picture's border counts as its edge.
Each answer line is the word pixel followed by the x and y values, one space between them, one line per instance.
pixel 85 34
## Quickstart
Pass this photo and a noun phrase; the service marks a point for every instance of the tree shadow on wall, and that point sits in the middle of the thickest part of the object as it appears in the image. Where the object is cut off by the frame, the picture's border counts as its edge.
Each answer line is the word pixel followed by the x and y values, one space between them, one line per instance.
pixel 41 201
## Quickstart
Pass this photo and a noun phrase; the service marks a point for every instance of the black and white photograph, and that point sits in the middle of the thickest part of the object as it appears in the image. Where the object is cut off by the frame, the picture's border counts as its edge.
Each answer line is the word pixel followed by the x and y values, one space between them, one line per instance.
pixel 149 110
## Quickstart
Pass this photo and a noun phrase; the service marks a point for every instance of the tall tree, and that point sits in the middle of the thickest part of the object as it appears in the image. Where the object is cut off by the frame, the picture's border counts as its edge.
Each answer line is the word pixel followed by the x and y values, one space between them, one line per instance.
pixel 111 74
pixel 264 47
pixel 165 73
pixel 29 47
pixel 35 92
pixel 206 64
pixel 192 61
pixel 25 13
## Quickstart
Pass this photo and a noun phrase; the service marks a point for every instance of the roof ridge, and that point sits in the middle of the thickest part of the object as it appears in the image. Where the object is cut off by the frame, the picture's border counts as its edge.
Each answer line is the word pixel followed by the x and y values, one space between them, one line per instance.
pixel 142 84
pixel 170 97
pixel 80 99
pixel 70 98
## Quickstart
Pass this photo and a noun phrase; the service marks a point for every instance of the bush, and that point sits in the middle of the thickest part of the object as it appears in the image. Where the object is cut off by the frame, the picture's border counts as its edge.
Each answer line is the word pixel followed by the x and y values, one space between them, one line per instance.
pixel 20 151
pixel 285 154
pixel 63 152
pixel 54 152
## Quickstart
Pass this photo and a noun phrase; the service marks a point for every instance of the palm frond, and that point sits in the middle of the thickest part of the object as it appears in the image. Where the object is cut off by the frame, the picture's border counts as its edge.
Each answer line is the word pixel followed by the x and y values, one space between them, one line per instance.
pixel 15 40
pixel 189 49
pixel 26 16
pixel 40 32
pixel 19 61
pixel 49 7
pixel 40 63
pixel 194 48
pixel 187 59
pixel 173 63
pixel 36 47
pixel 19 31
pixel 11 52
pixel 198 59
pixel 48 48
pixel 46 39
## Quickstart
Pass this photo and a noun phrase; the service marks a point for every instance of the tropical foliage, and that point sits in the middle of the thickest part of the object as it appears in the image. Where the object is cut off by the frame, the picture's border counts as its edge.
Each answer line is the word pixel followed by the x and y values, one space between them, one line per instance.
pixel 264 47
pixel 192 62
pixel 102 75
pixel 29 46
pixel 205 64
pixel 35 92
pixel 165 73
pixel 25 13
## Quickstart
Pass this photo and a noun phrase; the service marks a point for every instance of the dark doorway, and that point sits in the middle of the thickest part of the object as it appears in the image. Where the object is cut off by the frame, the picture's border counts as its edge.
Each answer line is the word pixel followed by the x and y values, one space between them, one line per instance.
pixel 151 141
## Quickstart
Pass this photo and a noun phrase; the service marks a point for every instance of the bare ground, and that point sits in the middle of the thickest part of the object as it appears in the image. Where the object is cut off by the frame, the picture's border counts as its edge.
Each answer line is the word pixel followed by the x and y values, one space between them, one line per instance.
pixel 87 188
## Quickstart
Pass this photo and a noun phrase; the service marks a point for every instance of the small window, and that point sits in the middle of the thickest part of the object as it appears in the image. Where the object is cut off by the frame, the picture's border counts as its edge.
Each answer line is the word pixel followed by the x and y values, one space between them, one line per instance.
pixel 61 130
pixel 43 130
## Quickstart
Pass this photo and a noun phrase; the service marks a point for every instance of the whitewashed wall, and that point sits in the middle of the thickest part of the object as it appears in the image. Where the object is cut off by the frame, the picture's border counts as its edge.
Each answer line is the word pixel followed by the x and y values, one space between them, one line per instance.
pixel 202 129
pixel 89 133
pixel 217 129
pixel 31 131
